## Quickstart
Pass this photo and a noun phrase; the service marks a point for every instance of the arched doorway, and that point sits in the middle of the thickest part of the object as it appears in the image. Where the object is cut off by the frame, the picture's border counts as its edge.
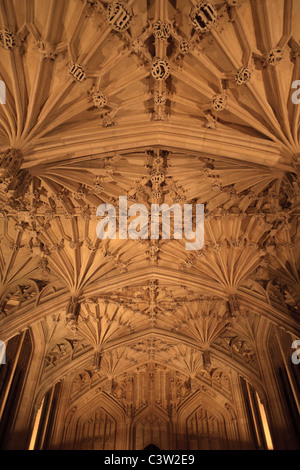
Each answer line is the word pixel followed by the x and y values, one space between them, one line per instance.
pixel 152 448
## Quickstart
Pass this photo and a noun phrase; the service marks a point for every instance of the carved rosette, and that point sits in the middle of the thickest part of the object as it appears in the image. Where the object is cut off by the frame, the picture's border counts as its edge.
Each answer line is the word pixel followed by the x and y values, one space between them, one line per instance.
pixel 160 69
pixel 243 75
pixel 184 47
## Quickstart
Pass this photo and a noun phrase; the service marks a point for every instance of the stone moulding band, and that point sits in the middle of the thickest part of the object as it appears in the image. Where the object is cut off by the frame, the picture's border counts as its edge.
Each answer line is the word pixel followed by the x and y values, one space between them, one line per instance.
pixel 169 135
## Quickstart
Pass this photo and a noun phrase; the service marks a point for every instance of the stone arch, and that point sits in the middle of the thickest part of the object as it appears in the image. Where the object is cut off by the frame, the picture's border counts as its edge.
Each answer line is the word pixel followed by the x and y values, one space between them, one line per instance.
pixel 97 432
pixel 80 384
pixel 151 426
pixel 78 415
pixel 206 423
pixel 17 295
pixel 221 380
pixel 50 290
pixel 57 353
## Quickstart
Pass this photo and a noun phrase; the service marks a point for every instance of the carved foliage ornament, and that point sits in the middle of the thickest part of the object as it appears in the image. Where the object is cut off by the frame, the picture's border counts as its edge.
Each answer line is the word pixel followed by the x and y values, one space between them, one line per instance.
pixel 274 56
pixel 99 99
pixel 184 47
pixel 159 98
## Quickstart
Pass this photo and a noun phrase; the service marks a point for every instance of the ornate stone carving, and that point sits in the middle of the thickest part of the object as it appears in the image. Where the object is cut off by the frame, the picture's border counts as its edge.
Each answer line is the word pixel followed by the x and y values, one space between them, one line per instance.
pixel 108 120
pixel 250 191
pixel 57 353
pixel 19 184
pixel 159 97
pixel 80 193
pixel 233 306
pixel 211 121
pixel 151 346
pixel 240 347
pixel 98 187
pixel 219 102
pixel 118 16
pixel 97 361
pixel 160 69
pixel 46 49
pixel 274 56
pixel 11 162
pixel 203 424
pixel 16 296
pixel 153 251
pixel 243 75
pixel 72 311
pixel 97 432
pixel 206 360
pixel 7 39
pixel 77 72
pixel 44 265
pixel 99 98
pixel 157 177
pixel 184 47
pixel 161 29
pixel 203 16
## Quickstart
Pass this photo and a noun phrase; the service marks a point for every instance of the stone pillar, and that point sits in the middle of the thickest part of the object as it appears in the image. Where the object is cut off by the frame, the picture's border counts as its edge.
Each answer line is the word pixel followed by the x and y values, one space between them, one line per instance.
pixel 11 374
pixel 282 434
pixel 24 422
pixel 62 405
pixel 285 344
pixel 245 437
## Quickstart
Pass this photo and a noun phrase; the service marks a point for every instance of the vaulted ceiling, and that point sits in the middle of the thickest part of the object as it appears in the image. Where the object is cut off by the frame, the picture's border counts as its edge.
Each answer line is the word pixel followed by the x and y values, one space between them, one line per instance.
pixel 101 94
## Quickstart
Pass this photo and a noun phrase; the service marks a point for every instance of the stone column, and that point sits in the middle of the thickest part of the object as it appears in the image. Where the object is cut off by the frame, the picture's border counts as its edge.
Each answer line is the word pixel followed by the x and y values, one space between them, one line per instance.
pixel 57 435
pixel 281 432
pixel 245 437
